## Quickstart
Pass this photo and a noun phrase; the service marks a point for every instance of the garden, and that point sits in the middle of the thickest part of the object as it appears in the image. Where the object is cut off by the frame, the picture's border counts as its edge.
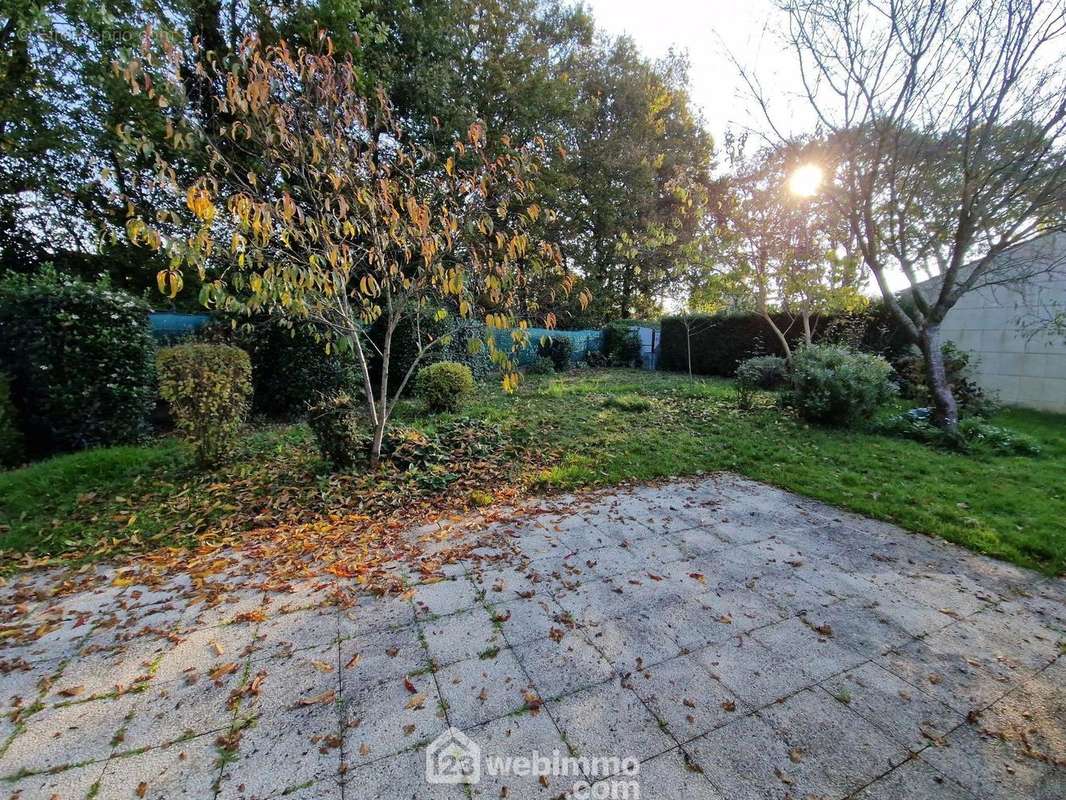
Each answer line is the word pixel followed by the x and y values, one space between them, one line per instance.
pixel 267 440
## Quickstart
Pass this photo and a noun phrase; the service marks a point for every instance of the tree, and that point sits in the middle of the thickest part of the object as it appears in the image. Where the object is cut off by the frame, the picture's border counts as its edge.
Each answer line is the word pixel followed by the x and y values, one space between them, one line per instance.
pixel 783 248
pixel 317 205
pixel 639 177
pixel 946 127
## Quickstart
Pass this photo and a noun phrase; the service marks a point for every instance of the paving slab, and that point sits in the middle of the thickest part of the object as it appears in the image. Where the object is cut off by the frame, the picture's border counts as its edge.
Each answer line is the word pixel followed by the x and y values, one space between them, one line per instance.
pixel 608 724
pixel 390 718
pixel 904 713
pixel 527 735
pixel 685 698
pixel 912 780
pixel 481 689
pixel 464 635
pixel 562 665
pixel 68 735
pixel 667 776
pixel 753 672
pixel 69 784
pixel 187 770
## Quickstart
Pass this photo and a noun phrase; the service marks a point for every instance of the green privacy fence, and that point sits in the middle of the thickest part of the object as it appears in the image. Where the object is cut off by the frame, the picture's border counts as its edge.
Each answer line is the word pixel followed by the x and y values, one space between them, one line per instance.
pixel 584 342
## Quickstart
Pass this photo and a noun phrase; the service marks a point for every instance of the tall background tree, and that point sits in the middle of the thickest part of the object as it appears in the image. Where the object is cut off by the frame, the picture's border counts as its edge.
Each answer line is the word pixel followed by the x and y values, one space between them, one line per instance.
pixel 627 169
pixel 945 125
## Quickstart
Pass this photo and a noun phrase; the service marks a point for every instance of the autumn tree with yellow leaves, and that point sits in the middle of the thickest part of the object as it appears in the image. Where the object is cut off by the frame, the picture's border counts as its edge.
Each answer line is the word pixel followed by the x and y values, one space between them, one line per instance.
pixel 316 205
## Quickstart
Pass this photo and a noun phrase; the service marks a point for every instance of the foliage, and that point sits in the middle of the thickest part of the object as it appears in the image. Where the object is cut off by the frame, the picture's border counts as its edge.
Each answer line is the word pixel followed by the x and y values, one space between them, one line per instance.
pixel 80 359
pixel 597 359
pixel 782 250
pixel 837 386
pixel 11 441
pixel 639 182
pixel 444 386
pixel 340 431
pixel 761 372
pixel 541 365
pixel 621 345
pixel 974 435
pixel 291 368
pixel 559 349
pixel 388 228
pixel 208 389
pixel 969 395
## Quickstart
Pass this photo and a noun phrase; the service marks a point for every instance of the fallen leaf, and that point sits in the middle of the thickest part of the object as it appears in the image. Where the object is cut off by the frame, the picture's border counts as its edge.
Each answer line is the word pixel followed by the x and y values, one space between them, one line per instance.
pixel 416 701
pixel 326 697
pixel 142 789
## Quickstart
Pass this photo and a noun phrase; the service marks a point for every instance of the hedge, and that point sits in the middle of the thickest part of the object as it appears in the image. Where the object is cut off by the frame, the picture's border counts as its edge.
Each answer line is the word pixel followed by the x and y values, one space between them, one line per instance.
pixel 721 342
pixel 81 361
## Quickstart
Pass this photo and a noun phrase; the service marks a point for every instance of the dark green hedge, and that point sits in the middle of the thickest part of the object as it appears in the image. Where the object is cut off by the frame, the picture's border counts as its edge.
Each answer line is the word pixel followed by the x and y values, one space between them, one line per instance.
pixel 81 360
pixel 721 341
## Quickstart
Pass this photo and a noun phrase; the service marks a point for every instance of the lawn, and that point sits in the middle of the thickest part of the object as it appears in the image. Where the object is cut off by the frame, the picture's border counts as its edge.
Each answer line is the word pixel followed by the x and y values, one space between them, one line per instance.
pixel 557 433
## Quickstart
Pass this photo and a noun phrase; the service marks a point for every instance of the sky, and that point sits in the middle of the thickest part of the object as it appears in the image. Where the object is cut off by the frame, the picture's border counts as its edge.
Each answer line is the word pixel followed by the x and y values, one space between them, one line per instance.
pixel 709 30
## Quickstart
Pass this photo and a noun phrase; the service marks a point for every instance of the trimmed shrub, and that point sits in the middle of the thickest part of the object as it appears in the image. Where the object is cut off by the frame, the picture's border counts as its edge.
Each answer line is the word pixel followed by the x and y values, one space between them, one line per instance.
pixel 837 386
pixel 541 366
pixel 444 386
pixel 621 345
pixel 207 387
pixel 342 438
pixel 11 444
pixel 761 372
pixel 81 361
pixel 559 349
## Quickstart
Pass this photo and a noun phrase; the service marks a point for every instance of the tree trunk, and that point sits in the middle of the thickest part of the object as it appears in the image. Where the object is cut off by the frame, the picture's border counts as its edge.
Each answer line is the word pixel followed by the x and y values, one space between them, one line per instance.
pixel 688 347
pixel 375 448
pixel 781 338
pixel 945 409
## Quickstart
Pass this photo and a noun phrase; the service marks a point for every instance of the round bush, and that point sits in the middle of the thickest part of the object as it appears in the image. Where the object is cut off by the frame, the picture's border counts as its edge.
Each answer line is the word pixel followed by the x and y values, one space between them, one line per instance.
pixel 208 387
pixel 342 438
pixel 837 386
pixel 81 361
pixel 444 386
pixel 541 365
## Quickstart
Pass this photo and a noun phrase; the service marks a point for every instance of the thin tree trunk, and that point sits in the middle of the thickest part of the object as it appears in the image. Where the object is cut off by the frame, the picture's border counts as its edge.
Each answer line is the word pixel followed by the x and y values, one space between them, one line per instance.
pixel 945 409
pixel 782 340
pixel 807 337
pixel 688 347
pixel 383 409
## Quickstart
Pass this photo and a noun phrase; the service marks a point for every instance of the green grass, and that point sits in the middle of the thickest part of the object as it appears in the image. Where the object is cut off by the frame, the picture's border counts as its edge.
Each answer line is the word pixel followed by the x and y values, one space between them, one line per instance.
pixel 579 430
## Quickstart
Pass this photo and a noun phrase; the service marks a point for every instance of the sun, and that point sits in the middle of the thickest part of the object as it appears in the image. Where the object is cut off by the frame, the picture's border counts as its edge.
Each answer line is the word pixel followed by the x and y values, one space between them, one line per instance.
pixel 806 180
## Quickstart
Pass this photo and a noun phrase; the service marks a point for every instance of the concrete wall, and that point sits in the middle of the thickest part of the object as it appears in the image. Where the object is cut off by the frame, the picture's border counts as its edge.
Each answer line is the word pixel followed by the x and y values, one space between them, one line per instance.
pixel 996 325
